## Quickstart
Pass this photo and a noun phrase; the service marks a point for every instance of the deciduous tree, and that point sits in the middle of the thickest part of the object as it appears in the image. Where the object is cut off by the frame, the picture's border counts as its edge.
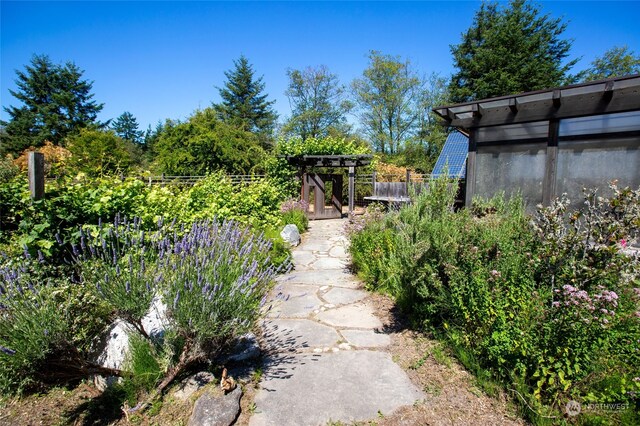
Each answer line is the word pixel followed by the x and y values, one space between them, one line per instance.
pixel 318 103
pixel 204 144
pixel 615 62
pixel 387 97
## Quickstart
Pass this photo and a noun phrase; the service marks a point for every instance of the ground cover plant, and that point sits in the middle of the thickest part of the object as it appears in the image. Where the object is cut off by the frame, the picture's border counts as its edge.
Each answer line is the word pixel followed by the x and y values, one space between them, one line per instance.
pixel 547 305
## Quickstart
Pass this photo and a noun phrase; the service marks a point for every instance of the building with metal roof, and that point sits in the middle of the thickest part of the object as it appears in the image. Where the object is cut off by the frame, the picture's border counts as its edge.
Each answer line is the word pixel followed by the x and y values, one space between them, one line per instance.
pixel 549 142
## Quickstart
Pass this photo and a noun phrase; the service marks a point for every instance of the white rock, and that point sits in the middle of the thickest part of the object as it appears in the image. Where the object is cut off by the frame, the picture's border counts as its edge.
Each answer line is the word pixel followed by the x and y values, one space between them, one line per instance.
pixel 112 347
pixel 290 234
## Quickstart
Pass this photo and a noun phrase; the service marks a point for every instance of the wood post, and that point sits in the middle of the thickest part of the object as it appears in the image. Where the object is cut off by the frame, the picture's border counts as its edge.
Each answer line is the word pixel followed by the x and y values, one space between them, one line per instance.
pixel 408 181
pixel 470 189
pixel 352 188
pixel 36 175
pixel 549 182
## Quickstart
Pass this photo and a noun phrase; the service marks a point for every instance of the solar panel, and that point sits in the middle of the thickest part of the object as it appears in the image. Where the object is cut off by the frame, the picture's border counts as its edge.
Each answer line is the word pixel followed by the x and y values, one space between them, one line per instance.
pixel 453 157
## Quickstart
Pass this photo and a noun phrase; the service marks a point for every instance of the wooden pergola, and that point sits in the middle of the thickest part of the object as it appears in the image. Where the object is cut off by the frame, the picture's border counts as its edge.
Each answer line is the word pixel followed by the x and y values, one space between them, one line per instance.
pixel 317 181
pixel 531 118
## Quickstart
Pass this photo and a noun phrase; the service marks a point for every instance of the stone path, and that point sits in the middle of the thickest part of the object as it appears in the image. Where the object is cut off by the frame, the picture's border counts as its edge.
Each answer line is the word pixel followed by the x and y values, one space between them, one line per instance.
pixel 326 359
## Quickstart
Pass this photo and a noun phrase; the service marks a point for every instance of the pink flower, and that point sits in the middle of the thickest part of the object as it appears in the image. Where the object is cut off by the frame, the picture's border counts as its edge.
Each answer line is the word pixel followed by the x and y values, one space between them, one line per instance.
pixel 623 243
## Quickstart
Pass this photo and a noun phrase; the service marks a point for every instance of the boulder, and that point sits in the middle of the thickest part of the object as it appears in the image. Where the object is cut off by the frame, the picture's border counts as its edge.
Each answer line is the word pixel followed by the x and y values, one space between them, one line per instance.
pixel 245 349
pixel 192 384
pixel 110 350
pixel 216 410
pixel 291 234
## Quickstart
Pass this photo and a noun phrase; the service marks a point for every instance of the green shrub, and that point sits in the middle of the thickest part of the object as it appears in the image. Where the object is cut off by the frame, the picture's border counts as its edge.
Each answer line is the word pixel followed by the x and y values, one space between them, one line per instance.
pixel 295 212
pixel 550 305
pixel 31 327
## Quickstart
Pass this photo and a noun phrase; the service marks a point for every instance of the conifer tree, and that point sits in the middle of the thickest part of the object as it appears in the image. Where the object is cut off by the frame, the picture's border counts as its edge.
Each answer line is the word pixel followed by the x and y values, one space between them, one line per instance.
pixel 126 127
pixel 56 102
pixel 244 104
pixel 509 50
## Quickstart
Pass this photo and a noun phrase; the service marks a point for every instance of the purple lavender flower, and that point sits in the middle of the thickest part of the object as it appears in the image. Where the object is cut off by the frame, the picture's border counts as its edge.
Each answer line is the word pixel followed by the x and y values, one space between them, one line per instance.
pixel 7 351
pixel 176 300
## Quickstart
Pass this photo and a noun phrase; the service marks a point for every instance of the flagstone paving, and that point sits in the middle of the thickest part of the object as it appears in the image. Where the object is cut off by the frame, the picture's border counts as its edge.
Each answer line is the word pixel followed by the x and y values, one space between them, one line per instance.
pixel 326 358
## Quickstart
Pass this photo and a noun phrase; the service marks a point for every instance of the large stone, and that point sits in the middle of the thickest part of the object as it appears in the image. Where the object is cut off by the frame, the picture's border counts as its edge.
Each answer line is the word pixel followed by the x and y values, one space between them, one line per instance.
pixel 293 301
pixel 358 315
pixel 216 410
pixel 245 349
pixel 192 384
pixel 297 334
pixel 111 349
pixel 290 234
pixel 155 320
pixel 346 386
pixel 331 277
pixel 343 296
pixel 366 338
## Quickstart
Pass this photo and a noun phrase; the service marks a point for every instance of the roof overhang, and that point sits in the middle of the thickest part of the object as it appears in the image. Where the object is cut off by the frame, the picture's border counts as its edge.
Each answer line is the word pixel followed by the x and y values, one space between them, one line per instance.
pixel 598 97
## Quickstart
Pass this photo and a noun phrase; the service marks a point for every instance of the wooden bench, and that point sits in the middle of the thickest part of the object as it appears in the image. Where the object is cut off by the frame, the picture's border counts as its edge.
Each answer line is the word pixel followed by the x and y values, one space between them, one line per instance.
pixel 389 193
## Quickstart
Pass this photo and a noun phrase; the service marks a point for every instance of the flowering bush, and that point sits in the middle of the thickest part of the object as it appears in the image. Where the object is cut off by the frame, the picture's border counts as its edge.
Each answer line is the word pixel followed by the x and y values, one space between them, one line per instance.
pixel 549 304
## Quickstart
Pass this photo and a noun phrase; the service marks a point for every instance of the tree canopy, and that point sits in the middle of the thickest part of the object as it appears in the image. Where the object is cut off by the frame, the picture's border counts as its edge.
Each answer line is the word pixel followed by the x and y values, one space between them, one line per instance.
pixel 126 126
pixel 318 103
pixel 509 50
pixel 98 152
pixel 56 102
pixel 204 144
pixel 615 62
pixel 387 96
pixel 243 103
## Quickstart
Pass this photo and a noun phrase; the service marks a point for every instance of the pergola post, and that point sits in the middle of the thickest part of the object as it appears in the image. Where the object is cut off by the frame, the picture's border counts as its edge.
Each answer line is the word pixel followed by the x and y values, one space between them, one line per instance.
pixel 352 188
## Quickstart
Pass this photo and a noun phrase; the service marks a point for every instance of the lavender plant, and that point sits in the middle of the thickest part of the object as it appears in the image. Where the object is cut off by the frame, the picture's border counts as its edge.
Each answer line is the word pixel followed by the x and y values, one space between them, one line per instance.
pixel 119 263
pixel 214 279
pixel 36 339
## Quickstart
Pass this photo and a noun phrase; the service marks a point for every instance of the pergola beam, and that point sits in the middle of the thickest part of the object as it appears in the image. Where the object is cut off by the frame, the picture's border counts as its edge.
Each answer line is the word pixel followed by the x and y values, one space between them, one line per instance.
pixel 601 97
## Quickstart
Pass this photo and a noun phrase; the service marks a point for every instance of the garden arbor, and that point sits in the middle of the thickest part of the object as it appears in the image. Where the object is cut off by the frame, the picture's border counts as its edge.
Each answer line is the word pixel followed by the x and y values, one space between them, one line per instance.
pixel 549 142
pixel 316 186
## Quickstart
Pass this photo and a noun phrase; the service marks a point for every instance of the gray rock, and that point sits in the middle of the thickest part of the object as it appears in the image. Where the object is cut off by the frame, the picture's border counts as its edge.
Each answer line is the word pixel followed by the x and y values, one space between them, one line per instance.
pixel 246 349
pixel 192 384
pixel 212 410
pixel 291 234
pixel 344 386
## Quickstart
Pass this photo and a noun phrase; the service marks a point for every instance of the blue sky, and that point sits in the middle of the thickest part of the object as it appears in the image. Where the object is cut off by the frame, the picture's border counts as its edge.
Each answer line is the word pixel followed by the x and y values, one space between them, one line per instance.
pixel 163 60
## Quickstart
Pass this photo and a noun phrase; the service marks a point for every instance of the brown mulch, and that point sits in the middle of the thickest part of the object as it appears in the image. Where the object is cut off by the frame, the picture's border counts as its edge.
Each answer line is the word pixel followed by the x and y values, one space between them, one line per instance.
pixel 452 398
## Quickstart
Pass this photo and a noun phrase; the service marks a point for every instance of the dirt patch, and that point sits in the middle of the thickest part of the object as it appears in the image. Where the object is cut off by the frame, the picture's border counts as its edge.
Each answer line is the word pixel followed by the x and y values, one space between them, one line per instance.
pixel 86 405
pixel 451 395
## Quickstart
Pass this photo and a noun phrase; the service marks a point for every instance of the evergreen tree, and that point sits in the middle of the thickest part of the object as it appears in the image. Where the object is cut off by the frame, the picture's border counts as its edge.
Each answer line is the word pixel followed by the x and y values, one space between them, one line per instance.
pixel 615 62
pixel 126 126
pixel 509 50
pixel 56 102
pixel 243 103
pixel 318 103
